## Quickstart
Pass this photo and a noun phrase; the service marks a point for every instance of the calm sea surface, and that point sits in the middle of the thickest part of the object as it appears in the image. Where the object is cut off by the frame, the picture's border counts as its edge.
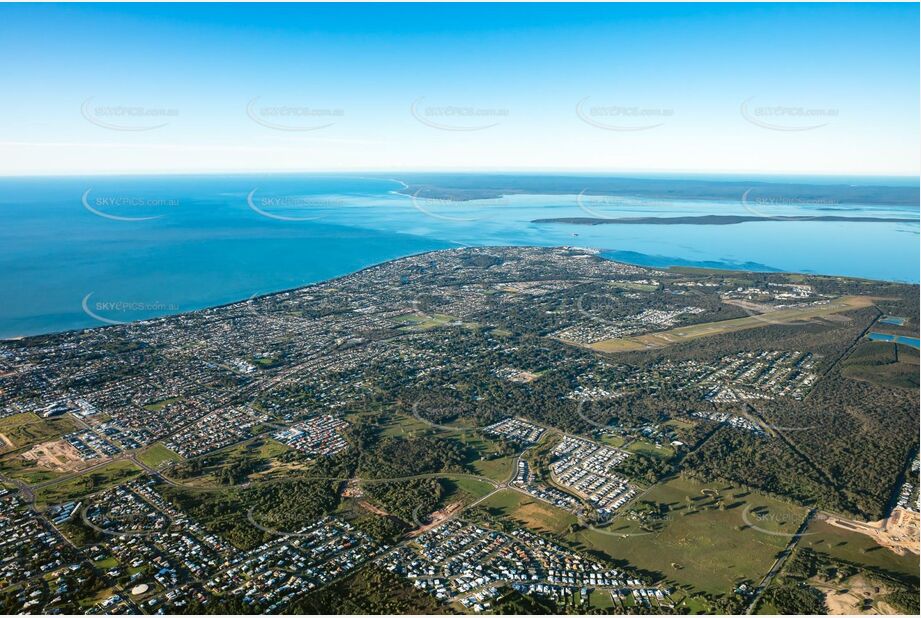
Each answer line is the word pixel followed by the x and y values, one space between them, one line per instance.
pixel 78 253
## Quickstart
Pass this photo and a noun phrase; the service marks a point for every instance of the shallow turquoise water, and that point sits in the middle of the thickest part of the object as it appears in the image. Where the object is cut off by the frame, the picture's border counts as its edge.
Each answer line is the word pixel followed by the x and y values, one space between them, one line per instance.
pixel 142 247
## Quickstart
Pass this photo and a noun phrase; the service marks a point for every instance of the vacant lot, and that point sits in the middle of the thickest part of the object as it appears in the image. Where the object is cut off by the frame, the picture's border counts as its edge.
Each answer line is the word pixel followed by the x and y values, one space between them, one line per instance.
pixel 885 364
pixel 482 455
pixel 611 440
pixel 529 512
pixel 707 537
pixel 157 406
pixel 156 455
pixel 56 455
pixel 405 425
pixel 854 595
pixel 15 466
pixel 21 430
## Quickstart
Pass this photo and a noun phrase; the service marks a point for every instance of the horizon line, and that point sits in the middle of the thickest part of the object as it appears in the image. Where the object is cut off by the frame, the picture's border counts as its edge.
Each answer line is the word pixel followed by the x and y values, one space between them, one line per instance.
pixel 507 171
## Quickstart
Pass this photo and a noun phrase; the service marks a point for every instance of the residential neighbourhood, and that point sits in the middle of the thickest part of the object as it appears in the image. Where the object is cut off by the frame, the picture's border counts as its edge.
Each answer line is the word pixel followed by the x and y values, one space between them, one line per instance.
pixel 464 440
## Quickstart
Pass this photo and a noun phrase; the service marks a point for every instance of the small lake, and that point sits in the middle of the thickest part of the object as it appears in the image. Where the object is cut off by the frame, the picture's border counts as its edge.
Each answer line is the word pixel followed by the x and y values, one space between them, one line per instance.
pixel 909 341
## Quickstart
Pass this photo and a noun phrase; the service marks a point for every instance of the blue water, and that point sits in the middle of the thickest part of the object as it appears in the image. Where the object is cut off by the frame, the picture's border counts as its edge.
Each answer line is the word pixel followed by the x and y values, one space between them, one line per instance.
pixel 895 321
pixel 912 341
pixel 134 248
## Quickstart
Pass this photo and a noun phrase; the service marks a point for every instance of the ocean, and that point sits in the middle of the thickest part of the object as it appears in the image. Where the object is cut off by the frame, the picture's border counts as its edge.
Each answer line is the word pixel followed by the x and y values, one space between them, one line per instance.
pixel 84 252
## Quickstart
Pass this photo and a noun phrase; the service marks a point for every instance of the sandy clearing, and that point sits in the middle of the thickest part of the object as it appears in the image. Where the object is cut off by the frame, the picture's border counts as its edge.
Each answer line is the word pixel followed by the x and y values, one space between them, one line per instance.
pixel 56 455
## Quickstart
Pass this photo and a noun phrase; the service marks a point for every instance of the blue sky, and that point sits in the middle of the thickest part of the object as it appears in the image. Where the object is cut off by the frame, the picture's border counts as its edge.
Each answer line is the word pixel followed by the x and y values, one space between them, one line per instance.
pixel 748 88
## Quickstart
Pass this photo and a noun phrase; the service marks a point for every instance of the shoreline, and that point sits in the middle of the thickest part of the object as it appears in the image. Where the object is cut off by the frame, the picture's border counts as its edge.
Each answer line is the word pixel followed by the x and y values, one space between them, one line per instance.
pixel 598 253
pixel 718 220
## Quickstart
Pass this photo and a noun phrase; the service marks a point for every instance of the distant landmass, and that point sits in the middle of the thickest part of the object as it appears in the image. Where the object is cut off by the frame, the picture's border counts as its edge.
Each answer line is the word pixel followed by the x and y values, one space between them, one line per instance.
pixel 714 220
pixel 465 187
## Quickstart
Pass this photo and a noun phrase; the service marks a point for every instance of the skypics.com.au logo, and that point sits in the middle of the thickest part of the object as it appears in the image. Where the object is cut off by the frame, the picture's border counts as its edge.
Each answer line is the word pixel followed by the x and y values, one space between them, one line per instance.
pixel 130 118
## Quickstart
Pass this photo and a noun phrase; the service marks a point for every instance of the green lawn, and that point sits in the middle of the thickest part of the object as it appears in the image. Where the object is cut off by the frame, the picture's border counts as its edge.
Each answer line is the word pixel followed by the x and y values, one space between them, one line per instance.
pixel 465 489
pixel 156 454
pixel 680 423
pixel 612 440
pixel 496 469
pixel 627 285
pixel 106 563
pixel 480 450
pixel 644 447
pixel 693 542
pixel 476 445
pixel 403 425
pixel 600 599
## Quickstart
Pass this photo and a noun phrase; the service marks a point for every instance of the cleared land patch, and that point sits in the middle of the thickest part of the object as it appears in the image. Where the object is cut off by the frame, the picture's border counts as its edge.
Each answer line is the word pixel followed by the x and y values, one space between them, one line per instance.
pixel 15 466
pixel 56 455
pixel 27 428
pixel 529 512
pixel 854 595
pixel 856 547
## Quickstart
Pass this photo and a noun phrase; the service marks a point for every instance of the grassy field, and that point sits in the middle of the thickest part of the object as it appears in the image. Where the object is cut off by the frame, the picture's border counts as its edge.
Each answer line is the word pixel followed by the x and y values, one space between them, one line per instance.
pixel 28 428
pixel 644 447
pixel 859 548
pixel 529 512
pixel 464 489
pixel 611 440
pixel 156 454
pixel 76 488
pixel 499 469
pixel 628 285
pixel 692 542
pixel 706 329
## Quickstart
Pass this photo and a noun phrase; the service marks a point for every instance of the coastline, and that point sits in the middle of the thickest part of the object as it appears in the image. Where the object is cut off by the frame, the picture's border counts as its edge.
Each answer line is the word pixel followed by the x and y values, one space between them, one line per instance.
pixel 603 254
pixel 832 190
pixel 717 220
